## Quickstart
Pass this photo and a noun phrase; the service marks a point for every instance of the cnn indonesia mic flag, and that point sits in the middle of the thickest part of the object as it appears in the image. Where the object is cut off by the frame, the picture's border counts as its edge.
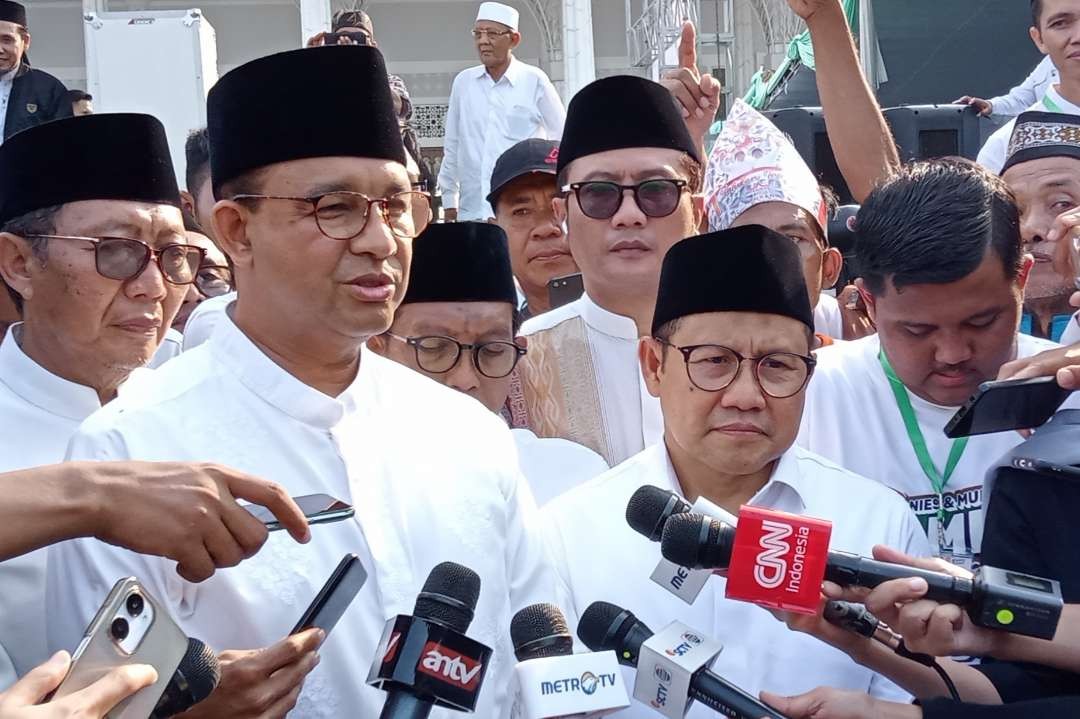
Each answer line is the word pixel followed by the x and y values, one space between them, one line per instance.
pixel 778 560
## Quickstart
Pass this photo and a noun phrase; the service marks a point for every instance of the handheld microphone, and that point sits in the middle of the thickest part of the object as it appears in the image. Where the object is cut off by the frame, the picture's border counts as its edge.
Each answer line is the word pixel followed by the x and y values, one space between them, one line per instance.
pixel 994 598
pixel 425 660
pixel 194 680
pixel 605 627
pixel 552 680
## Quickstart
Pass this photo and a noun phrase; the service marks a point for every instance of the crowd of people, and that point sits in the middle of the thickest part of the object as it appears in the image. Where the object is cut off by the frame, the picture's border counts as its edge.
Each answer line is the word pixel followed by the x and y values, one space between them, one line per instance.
pixel 600 303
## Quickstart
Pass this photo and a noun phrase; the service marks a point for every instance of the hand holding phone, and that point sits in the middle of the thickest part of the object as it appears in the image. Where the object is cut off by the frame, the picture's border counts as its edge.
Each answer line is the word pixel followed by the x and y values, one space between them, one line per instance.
pixel 335 596
pixel 317 508
pixel 1014 404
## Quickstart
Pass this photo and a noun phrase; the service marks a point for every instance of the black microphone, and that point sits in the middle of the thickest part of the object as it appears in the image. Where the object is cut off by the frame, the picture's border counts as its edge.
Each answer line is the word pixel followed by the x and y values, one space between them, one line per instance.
pixel 994 598
pixel 649 509
pixel 194 680
pixel 540 631
pixel 428 660
pixel 606 627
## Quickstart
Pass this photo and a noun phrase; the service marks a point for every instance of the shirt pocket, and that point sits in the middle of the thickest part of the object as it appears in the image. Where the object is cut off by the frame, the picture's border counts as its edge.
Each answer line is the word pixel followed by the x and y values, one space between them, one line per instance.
pixel 522 122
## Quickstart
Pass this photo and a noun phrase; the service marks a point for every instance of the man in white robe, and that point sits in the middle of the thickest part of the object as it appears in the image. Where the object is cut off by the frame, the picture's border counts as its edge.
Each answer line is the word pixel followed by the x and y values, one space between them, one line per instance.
pixel 317 213
pixel 457 325
pixel 729 356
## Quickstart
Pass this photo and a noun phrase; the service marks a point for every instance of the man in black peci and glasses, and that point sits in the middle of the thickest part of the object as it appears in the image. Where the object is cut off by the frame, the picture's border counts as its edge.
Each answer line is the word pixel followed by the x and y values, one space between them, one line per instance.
pixel 92 248
pixel 628 172
pixel 728 353
pixel 457 325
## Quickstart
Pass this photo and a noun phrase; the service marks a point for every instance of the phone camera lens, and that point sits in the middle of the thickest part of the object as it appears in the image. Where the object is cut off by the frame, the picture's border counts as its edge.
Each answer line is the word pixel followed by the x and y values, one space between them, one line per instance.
pixel 135 605
pixel 119 629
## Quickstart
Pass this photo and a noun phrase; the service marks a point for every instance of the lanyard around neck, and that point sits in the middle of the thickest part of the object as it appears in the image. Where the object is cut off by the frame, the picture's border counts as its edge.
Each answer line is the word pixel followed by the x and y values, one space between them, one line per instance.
pixel 1050 104
pixel 915 435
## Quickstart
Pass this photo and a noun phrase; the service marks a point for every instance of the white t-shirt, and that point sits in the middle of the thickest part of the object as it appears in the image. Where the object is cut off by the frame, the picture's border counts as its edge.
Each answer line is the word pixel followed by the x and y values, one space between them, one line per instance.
pixel 599 557
pixel 851 417
pixel 995 151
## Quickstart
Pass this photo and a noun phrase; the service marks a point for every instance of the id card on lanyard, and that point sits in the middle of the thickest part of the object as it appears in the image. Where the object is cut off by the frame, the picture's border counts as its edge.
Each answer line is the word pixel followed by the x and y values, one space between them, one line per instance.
pixel 938 480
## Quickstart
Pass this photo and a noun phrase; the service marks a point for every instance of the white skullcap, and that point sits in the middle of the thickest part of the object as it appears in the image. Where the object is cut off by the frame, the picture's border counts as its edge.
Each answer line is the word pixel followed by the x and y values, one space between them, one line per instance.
pixel 497 12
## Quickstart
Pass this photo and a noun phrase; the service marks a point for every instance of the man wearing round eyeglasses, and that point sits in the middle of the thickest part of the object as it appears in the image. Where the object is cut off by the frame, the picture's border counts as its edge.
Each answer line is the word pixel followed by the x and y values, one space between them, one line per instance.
pixel 317 213
pixel 499 102
pixel 457 325
pixel 628 172
pixel 93 250
pixel 729 355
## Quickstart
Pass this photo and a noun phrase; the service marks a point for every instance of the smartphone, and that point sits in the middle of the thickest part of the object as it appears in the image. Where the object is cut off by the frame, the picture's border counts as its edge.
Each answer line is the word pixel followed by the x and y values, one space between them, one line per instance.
pixel 1039 466
pixel 564 290
pixel 335 596
pixel 318 508
pixel 129 628
pixel 1008 405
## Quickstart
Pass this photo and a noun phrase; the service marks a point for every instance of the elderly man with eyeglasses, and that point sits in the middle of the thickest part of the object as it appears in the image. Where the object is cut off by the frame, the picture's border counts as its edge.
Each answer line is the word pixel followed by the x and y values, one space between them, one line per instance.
pixel 729 355
pixel 494 105
pixel 92 248
pixel 318 216
pixel 457 325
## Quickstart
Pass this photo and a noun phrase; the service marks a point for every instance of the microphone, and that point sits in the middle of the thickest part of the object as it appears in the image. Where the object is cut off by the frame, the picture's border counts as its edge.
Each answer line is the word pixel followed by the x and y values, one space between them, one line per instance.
pixel 605 627
pixel 425 660
pixel 777 555
pixel 552 680
pixel 194 680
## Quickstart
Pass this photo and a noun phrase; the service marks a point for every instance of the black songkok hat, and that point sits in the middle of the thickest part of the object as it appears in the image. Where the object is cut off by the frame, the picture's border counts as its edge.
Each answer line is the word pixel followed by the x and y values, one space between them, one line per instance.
pixel 619 112
pixel 1043 134
pixel 461 262
pixel 338 103
pixel 12 12
pixel 743 269
pixel 94 157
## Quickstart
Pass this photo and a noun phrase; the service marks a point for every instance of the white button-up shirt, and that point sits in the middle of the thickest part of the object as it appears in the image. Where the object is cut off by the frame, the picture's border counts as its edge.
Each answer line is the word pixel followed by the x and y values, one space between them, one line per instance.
pixel 39 412
pixel 487 117
pixel 603 559
pixel 1029 92
pixel 432 474
pixel 554 466
pixel 852 418
pixel 204 318
pixel 631 418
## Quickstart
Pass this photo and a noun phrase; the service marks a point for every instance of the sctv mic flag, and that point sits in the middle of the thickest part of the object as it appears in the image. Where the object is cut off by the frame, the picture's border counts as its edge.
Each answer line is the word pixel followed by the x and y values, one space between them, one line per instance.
pixel 778 560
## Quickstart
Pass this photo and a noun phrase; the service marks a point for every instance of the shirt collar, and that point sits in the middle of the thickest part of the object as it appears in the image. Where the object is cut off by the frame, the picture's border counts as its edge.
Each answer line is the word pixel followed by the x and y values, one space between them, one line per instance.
pixel 607 322
pixel 787 475
pixel 40 387
pixel 260 374
pixel 512 74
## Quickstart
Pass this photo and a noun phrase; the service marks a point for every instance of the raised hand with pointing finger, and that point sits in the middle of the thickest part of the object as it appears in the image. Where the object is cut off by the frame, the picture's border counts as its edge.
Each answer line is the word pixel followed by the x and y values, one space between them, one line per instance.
pixel 698 95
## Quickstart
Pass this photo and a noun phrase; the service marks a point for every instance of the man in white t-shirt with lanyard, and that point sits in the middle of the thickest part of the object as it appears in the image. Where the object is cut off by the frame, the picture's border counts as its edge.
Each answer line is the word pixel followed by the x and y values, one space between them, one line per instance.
pixel 943 276
pixel 1056 32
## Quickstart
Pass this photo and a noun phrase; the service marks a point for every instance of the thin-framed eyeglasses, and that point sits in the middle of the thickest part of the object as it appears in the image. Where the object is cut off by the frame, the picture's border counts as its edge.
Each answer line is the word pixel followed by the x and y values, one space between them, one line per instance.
pixel 343 215
pixel 600 199
pixel 712 368
pixel 122 258
pixel 214 280
pixel 482 34
pixel 438 355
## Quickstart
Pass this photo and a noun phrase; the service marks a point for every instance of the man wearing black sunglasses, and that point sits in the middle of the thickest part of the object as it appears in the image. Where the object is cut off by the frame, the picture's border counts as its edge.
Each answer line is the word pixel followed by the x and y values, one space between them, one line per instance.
pixel 92 248
pixel 628 173
pixel 457 325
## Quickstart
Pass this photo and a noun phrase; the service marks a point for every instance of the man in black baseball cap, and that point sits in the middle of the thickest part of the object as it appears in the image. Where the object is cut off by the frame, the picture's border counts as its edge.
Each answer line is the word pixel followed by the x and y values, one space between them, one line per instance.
pixel 522 188
pixel 30 96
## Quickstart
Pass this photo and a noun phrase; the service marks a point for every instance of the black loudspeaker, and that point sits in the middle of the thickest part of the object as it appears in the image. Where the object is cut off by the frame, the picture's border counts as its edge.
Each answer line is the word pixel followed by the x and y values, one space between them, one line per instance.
pixel 924 132
pixel 806 128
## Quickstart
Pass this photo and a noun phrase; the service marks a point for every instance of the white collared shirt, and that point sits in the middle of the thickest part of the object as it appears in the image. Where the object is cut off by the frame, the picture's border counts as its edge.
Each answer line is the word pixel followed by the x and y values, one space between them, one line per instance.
pixel 432 474
pixel 204 318
pixel 600 558
pixel 995 150
pixel 39 412
pixel 1030 91
pixel 172 344
pixel 6 82
pixel 553 465
pixel 828 320
pixel 632 417
pixel 487 117
pixel 852 418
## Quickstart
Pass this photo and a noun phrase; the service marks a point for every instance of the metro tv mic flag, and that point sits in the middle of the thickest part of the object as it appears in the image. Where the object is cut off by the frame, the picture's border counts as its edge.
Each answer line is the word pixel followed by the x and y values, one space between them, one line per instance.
pixel 779 560
pixel 425 660
pixel 555 682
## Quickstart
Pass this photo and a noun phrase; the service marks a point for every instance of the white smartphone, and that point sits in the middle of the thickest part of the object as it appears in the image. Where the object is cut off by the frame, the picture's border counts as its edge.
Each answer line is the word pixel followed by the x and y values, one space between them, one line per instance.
pixel 130 628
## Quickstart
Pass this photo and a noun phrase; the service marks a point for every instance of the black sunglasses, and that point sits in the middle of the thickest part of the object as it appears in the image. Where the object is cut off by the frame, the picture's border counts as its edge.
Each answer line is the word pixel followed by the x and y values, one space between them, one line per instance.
pixel 600 200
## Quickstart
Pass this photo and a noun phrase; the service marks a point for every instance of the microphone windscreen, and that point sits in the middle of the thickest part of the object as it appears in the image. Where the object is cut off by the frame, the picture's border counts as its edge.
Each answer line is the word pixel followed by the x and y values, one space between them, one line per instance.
pixel 693 540
pixel 201 669
pixel 649 508
pixel 599 625
pixel 449 596
pixel 540 631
